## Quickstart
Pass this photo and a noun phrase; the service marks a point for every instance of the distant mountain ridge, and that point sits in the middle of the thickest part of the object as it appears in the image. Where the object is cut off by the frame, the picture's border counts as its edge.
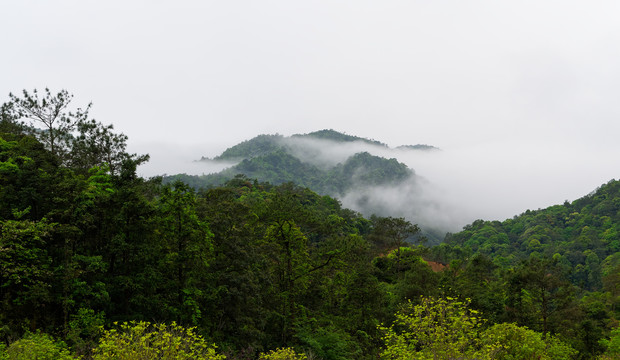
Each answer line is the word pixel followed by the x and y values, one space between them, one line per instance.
pixel 325 161
pixel 257 146
pixel 329 134
pixel 418 147
pixel 264 144
pixel 277 159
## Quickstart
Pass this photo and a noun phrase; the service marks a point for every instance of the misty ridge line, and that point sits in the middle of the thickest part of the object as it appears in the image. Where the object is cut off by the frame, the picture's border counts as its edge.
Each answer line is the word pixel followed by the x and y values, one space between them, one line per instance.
pixel 324 148
pixel 313 148
pixel 365 175
pixel 448 189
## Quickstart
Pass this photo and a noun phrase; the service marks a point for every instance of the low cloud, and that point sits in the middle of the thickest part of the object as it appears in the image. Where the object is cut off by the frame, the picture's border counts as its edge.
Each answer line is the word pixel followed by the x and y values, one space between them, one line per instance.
pixel 452 187
pixel 168 159
pixel 494 180
pixel 326 153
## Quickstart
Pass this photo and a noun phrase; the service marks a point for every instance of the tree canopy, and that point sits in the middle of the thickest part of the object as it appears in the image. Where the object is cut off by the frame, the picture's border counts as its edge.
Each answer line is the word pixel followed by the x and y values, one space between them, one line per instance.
pixel 252 269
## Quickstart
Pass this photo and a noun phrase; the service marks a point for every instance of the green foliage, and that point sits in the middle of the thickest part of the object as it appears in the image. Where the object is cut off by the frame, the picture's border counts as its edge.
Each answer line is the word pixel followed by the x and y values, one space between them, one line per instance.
pixel 558 349
pixel 85 242
pixel 28 174
pixel 512 342
pixel 612 345
pixel 70 136
pixel 328 343
pixel 186 242
pixel 25 270
pixel 581 234
pixel 258 146
pixel 85 328
pixel 282 354
pixel 448 329
pixel 268 159
pixel 49 111
pixel 541 298
pixel 38 346
pixel 391 233
pixel 277 167
pixel 96 144
pixel 143 340
pixel 436 328
pixel 407 273
pixel 479 280
pixel 366 169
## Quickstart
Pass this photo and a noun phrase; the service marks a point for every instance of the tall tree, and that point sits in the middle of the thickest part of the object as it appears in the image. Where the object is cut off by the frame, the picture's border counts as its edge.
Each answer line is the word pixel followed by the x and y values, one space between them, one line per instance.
pixel 51 112
pixel 391 233
pixel 187 247
pixel 96 144
pixel 70 135
pixel 235 312
pixel 25 274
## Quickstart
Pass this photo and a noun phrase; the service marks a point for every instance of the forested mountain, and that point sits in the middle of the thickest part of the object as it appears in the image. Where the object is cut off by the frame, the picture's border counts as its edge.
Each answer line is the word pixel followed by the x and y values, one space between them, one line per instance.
pixel 329 134
pixel 329 163
pixel 299 159
pixel 265 144
pixel 583 237
pixel 279 166
pixel 97 262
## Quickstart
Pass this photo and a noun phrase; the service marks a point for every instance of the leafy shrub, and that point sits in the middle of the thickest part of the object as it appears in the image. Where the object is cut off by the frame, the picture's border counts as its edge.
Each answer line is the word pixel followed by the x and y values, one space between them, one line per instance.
pixel 436 328
pixel 38 346
pixel 512 342
pixel 143 340
pixel 282 354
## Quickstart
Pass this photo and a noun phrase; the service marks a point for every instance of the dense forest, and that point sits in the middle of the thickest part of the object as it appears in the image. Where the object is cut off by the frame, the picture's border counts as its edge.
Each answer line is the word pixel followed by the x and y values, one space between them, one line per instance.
pixel 97 262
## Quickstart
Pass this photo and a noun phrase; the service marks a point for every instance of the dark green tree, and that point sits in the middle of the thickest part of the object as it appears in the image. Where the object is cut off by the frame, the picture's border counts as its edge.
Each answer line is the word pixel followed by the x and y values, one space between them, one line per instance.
pixel 25 274
pixel 96 144
pixel 187 251
pixel 541 298
pixel 235 313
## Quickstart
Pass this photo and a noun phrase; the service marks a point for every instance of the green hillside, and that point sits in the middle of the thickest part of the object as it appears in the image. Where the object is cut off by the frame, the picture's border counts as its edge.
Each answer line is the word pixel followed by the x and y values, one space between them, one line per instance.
pixel 258 146
pixel 266 144
pixel 269 158
pixel 277 167
pixel 582 236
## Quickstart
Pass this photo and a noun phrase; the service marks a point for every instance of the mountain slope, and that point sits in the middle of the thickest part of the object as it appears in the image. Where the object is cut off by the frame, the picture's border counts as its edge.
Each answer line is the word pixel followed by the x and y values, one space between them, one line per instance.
pixel 582 236
pixel 257 146
pixel 329 163
pixel 279 166
pixel 313 160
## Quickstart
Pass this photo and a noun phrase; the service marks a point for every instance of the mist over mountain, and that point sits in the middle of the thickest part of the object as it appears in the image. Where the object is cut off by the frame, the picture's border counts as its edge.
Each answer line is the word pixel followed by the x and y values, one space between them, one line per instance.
pixel 363 174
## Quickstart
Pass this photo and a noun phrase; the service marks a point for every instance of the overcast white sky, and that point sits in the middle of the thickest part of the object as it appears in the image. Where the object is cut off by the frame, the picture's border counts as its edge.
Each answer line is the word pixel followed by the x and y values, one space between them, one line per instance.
pixel 523 96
